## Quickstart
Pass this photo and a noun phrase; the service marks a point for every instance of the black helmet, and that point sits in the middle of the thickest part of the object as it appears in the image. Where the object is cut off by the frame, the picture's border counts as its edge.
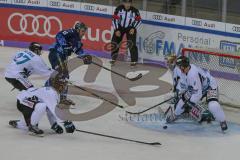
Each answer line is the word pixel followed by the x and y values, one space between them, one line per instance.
pixel 35 47
pixel 79 25
pixel 183 61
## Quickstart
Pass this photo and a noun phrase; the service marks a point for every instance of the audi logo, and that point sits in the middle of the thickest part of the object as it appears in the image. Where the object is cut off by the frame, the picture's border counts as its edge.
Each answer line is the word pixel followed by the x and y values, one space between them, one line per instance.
pixel 35 22
pixel 196 23
pixel 236 29
pixel 157 17
pixel 90 8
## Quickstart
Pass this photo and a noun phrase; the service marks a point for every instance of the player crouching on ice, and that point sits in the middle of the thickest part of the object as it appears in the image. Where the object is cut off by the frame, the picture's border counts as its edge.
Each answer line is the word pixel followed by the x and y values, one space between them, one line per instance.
pixel 25 63
pixel 35 102
pixel 68 42
pixel 179 79
pixel 200 84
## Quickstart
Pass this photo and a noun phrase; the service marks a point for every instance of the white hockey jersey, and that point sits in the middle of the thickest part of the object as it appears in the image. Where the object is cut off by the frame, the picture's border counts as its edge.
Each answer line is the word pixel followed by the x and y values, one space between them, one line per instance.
pixel 28 63
pixel 46 95
pixel 198 82
pixel 179 80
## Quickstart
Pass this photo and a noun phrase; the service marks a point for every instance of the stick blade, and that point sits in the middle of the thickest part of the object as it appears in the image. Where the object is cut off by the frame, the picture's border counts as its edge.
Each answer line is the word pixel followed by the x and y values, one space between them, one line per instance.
pixel 155 144
pixel 132 112
pixel 139 76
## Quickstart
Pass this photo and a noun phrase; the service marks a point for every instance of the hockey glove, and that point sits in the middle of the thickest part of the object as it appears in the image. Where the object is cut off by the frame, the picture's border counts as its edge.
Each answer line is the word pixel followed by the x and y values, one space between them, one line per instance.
pixel 87 59
pixel 57 128
pixel 186 96
pixel 69 127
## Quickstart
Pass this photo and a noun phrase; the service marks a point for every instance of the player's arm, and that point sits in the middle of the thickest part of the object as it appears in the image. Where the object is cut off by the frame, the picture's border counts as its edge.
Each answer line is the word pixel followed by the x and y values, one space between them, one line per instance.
pixel 176 79
pixel 41 68
pixel 116 19
pixel 78 50
pixel 138 19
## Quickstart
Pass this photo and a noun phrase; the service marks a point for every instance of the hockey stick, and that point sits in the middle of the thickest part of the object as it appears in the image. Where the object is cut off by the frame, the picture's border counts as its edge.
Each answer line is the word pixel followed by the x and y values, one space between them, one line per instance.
pixel 96 95
pixel 119 138
pixel 123 76
pixel 150 107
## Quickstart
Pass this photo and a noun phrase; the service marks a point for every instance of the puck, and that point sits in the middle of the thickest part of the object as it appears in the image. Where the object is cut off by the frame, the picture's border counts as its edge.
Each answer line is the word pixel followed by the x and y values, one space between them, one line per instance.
pixel 164 127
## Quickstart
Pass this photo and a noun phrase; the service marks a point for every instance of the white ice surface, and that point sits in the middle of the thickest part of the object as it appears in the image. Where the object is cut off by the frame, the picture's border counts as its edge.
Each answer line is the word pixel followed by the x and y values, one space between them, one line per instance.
pixel 179 144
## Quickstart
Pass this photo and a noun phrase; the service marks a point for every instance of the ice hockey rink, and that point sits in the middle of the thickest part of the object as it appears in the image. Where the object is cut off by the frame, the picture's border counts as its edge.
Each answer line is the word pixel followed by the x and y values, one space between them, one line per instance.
pixel 181 141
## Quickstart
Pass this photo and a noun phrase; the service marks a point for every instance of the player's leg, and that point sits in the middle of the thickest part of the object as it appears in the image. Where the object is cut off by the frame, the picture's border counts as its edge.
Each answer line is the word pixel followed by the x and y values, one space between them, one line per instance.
pixel 132 44
pixel 172 114
pixel 215 108
pixel 36 116
pixel 115 45
pixel 53 122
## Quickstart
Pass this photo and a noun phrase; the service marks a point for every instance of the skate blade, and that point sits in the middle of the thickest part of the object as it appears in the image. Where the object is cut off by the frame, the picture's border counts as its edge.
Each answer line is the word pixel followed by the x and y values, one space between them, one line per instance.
pixel 36 135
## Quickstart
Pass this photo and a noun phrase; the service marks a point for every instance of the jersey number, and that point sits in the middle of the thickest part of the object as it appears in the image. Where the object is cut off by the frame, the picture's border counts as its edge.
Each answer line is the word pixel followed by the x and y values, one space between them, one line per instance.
pixel 21 58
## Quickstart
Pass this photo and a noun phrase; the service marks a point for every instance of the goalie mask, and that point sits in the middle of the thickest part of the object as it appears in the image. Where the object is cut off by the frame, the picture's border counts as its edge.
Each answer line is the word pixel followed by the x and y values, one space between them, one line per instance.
pixel 183 63
pixel 58 82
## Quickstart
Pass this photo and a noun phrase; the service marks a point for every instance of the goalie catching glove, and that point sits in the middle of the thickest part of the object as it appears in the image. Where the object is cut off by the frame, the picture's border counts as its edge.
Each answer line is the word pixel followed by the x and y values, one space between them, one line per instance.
pixel 87 59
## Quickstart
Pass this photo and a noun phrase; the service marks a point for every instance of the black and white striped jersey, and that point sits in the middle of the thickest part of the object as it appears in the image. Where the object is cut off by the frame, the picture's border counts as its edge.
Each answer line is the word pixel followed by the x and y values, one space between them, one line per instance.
pixel 123 18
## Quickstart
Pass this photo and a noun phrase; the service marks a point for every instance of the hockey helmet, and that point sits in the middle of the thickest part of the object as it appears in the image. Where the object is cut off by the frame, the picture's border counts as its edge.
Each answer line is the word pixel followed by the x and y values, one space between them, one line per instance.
pixel 183 61
pixel 58 82
pixel 79 25
pixel 35 47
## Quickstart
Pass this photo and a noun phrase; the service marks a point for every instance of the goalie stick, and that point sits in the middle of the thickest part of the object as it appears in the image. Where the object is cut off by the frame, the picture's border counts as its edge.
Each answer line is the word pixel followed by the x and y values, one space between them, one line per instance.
pixel 119 138
pixel 96 95
pixel 150 107
pixel 139 76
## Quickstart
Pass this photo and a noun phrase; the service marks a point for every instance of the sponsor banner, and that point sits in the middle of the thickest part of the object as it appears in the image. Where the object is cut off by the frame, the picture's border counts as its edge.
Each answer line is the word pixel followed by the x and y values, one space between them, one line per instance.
pixel 165 18
pixel 6 1
pixel 205 24
pixel 63 5
pixel 233 28
pixel 96 8
pixel 40 3
pixel 155 42
pixel 42 26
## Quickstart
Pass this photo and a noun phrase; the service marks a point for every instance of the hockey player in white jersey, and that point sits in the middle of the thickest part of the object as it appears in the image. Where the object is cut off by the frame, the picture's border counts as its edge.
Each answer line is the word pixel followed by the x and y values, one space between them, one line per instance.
pixel 179 79
pixel 200 84
pixel 24 64
pixel 34 102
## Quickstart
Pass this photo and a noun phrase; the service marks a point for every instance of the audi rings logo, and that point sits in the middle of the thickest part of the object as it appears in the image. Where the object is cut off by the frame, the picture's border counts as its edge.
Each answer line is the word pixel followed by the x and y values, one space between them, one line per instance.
pixel 30 24
pixel 157 17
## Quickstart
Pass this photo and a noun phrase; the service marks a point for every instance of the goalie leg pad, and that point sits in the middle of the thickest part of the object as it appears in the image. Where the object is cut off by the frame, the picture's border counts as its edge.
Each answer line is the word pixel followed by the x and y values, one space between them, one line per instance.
pixel 217 111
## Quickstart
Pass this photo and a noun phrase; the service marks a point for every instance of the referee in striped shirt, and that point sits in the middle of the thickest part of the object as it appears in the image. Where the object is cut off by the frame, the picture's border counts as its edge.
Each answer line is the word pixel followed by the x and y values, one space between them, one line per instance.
pixel 126 20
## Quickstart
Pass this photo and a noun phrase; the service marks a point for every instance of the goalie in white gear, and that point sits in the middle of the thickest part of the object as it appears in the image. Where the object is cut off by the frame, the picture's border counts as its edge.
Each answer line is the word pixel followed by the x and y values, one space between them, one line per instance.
pixel 179 79
pixel 25 63
pixel 200 84
pixel 35 102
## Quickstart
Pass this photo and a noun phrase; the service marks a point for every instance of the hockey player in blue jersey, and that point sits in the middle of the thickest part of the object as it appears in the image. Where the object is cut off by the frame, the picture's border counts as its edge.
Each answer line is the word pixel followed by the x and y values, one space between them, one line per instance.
pixel 67 43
